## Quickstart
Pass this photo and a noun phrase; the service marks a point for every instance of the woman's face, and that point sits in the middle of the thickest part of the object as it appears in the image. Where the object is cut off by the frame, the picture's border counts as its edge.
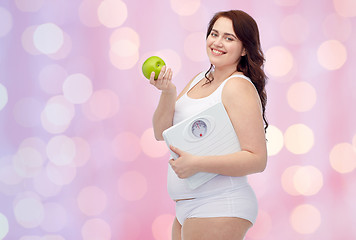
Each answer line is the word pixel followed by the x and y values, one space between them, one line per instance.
pixel 223 47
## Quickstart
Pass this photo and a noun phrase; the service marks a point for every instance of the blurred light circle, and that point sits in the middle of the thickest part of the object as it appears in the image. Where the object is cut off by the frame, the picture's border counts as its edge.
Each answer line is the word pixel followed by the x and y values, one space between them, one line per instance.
pixel 275 140
pixel 88 12
pixel 3 96
pixel 112 13
pixel 51 78
pixel 197 21
pixel 294 29
pixel 96 228
pixel 171 58
pixel 44 186
pixel 150 146
pixel 101 105
pixel 61 175
pixel 126 146
pixel 286 3
pixel 193 47
pixel 342 158
pixel 332 54
pixel 124 45
pixel 337 27
pixel 305 219
pixel 9 176
pixel 301 96
pixel 82 153
pixel 64 50
pixel 57 114
pixel 77 88
pixel 4 226
pixel 185 7
pixel 55 218
pixel 27 112
pixel 48 38
pixel 308 180
pixel 91 200
pixel 262 226
pixel 345 8
pixel 29 212
pixel 279 61
pixel 162 227
pixel 61 150
pixel 5 22
pixel 27 40
pixel 28 162
pixel 29 5
pixel 132 186
pixel 52 237
pixel 299 139
pixel 287 180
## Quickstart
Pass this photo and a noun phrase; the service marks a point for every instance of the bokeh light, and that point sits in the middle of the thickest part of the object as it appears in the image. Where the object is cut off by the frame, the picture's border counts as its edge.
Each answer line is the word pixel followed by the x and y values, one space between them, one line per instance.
pixel 337 27
pixel 29 6
pixel 185 7
pixel 279 61
pixel 305 219
pixel 275 140
pixel 3 96
pixel 77 88
pixel 299 139
pixel 48 38
pixel 61 150
pixel 55 217
pixel 343 157
pixel 287 180
pixel 150 146
pixel 5 22
pixel 126 146
pixel 51 78
pixel 88 12
pixel 112 13
pixel 308 180
pixel 332 54
pixel 4 226
pixel 162 227
pixel 345 8
pixel 96 228
pixel 29 212
pixel 301 96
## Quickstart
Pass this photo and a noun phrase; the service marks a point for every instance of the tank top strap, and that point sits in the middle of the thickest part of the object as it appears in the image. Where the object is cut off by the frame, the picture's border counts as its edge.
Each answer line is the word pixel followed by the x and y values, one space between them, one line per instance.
pixel 196 80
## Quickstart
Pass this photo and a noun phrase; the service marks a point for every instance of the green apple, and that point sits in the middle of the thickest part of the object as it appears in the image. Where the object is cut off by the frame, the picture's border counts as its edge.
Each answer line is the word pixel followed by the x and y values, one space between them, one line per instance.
pixel 152 64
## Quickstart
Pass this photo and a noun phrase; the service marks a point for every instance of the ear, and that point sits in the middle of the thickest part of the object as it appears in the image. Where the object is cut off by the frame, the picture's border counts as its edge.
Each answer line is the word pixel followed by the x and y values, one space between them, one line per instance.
pixel 244 52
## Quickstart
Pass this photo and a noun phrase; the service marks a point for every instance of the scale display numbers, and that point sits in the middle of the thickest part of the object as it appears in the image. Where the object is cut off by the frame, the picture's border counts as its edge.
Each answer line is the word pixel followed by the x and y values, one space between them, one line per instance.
pixel 199 128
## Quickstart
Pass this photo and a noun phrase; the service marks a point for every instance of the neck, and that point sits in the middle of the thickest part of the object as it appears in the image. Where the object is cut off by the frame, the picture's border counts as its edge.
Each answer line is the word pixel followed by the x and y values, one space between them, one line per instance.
pixel 220 74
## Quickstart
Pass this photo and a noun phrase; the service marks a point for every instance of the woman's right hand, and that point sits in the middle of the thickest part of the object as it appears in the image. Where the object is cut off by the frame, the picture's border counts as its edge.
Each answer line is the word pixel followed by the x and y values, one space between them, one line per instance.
pixel 164 80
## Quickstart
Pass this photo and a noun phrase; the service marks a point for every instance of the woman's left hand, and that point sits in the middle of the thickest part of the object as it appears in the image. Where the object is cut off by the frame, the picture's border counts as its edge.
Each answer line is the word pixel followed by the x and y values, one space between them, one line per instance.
pixel 185 165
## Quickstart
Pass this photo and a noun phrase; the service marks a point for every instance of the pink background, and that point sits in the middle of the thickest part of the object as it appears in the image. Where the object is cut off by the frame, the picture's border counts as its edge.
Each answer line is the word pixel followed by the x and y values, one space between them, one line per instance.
pixel 77 155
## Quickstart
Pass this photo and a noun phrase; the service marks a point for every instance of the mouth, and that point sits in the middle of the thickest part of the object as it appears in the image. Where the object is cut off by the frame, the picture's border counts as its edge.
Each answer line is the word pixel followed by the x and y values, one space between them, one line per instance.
pixel 217 52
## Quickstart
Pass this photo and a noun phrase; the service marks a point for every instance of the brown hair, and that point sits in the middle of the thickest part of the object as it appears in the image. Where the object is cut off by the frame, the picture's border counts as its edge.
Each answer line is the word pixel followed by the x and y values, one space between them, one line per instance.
pixel 251 64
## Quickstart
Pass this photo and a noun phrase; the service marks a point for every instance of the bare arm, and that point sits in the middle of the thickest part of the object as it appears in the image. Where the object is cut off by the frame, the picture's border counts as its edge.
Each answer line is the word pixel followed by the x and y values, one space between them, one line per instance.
pixel 243 106
pixel 163 116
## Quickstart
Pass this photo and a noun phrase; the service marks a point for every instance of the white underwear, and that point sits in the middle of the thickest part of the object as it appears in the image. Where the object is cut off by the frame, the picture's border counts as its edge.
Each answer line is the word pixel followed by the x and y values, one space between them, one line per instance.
pixel 241 203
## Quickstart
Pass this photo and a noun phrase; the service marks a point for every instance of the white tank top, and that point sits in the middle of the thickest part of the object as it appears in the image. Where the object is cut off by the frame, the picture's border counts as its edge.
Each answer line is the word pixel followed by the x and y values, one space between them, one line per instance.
pixel 186 107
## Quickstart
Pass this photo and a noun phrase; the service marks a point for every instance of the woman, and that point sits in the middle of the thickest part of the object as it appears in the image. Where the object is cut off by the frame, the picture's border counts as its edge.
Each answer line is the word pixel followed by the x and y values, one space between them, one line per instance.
pixel 224 207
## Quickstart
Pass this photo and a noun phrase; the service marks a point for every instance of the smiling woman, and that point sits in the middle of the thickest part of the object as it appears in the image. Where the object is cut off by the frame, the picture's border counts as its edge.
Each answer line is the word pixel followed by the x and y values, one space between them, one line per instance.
pixel 226 202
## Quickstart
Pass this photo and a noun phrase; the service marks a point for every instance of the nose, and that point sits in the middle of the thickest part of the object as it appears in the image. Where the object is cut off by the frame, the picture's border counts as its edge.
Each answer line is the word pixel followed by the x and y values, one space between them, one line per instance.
pixel 218 42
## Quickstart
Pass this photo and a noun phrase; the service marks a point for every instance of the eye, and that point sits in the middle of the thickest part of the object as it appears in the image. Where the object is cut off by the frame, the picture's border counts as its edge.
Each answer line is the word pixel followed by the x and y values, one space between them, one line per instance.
pixel 229 39
pixel 213 34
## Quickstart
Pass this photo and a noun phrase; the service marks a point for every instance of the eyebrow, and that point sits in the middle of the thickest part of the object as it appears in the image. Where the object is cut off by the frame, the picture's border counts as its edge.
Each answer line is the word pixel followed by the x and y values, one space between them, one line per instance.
pixel 229 34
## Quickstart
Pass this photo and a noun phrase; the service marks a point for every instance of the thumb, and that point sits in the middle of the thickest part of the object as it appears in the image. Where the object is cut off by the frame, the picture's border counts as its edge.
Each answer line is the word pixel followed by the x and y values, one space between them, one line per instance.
pixel 175 150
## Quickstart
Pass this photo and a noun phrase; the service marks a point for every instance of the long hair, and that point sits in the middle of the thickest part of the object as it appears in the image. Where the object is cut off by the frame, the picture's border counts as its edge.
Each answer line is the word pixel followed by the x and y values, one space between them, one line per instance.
pixel 251 64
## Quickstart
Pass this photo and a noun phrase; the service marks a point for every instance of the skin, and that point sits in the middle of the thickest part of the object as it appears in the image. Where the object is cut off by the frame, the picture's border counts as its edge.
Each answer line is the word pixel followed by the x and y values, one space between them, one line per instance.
pixel 224 50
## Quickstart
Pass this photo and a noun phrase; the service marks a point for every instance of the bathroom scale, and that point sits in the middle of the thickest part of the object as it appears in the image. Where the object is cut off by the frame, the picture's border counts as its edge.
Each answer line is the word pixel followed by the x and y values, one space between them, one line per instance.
pixel 208 133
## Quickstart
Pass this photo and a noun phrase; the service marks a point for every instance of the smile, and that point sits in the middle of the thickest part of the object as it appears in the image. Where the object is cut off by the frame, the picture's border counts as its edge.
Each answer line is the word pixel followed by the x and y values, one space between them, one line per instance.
pixel 217 52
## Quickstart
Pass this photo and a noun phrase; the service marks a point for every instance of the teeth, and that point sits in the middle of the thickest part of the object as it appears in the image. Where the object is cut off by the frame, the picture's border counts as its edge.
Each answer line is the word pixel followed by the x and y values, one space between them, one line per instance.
pixel 217 52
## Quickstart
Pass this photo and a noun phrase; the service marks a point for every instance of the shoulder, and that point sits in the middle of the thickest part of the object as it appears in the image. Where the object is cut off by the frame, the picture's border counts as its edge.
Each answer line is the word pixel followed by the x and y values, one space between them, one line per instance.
pixel 240 85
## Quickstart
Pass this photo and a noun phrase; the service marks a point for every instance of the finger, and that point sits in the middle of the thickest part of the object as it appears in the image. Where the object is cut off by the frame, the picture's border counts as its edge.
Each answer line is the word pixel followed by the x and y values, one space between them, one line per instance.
pixel 161 73
pixel 175 150
pixel 152 78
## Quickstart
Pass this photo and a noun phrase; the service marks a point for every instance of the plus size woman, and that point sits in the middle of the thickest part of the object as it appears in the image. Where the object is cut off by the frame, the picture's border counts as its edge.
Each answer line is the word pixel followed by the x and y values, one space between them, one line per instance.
pixel 224 207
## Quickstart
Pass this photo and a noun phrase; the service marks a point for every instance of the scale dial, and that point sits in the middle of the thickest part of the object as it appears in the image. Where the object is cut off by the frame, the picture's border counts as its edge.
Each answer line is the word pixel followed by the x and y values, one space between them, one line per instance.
pixel 199 128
